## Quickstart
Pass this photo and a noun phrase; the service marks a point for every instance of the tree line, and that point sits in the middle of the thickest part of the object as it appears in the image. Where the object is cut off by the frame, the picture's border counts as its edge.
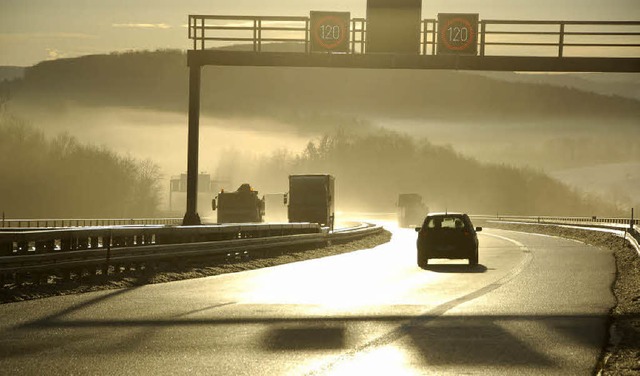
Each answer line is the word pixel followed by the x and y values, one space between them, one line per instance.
pixel 60 177
pixel 372 168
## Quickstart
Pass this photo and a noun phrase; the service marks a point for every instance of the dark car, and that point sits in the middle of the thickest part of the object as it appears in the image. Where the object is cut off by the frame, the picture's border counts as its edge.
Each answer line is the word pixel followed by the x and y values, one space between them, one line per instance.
pixel 447 235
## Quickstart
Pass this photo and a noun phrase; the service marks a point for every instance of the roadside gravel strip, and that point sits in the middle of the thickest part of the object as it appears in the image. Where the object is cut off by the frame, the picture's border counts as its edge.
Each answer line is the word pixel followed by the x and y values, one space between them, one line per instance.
pixel 622 356
pixel 167 272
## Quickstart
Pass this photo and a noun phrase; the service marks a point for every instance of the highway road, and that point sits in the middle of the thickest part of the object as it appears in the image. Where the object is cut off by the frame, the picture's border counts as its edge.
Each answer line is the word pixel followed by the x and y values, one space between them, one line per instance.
pixel 535 305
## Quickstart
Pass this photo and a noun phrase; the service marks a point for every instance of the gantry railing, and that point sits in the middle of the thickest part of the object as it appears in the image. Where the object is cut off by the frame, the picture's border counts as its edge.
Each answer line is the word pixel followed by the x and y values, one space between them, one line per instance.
pixel 495 37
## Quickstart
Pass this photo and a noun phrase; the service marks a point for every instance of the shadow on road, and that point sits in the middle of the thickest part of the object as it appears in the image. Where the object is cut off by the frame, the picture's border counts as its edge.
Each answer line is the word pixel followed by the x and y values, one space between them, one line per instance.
pixel 435 339
pixel 456 268
pixel 306 337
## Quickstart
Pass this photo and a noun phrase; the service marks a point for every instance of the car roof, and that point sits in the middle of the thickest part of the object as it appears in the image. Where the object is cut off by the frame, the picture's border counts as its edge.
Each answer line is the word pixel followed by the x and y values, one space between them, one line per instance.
pixel 447 214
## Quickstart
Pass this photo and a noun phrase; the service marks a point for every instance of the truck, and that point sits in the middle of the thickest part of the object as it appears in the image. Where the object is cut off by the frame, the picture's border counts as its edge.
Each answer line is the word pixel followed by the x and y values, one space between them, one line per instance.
pixel 241 206
pixel 411 210
pixel 311 199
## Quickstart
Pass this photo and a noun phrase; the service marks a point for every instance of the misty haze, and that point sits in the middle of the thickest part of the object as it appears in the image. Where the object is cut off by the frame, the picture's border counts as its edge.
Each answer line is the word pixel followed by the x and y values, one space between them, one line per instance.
pixel 259 125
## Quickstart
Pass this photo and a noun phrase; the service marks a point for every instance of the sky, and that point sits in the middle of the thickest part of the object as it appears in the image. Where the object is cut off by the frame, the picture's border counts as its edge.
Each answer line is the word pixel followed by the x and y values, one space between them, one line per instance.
pixel 35 30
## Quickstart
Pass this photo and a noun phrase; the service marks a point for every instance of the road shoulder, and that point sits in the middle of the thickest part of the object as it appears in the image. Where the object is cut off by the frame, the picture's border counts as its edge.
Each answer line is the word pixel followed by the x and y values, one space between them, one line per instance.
pixel 622 355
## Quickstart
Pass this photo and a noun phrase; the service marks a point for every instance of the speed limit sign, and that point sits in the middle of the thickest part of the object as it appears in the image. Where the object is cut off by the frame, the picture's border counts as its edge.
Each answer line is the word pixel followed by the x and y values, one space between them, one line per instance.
pixel 458 33
pixel 329 31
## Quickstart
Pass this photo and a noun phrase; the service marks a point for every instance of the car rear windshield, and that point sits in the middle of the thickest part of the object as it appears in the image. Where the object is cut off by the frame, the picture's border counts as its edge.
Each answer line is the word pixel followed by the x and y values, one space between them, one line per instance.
pixel 445 222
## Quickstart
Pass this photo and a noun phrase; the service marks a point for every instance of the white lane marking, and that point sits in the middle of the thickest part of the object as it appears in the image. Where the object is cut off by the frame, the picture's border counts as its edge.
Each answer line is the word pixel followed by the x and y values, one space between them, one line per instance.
pixel 517 243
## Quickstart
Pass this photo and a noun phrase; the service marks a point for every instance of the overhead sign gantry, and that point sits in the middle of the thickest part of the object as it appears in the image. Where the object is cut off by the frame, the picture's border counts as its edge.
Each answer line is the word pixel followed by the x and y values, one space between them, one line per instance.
pixel 393 36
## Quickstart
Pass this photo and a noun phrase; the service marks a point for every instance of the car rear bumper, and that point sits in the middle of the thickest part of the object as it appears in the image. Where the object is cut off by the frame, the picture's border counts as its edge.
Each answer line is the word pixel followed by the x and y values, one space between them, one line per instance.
pixel 446 252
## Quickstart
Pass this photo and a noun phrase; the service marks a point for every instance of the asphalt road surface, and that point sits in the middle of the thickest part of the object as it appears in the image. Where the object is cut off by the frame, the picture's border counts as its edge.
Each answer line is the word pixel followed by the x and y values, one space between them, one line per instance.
pixel 535 305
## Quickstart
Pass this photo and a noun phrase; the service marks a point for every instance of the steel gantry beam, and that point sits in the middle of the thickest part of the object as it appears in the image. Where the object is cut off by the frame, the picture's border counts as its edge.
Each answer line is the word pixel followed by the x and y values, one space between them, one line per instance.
pixel 391 61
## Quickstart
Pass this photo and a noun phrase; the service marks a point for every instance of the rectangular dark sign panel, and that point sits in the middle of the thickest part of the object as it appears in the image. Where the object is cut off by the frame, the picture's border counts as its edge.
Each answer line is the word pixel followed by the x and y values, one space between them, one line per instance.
pixel 329 31
pixel 393 26
pixel 457 34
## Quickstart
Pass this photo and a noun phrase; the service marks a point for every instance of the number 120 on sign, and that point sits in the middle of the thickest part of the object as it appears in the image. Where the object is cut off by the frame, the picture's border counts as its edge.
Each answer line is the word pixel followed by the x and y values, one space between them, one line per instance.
pixel 457 33
pixel 329 31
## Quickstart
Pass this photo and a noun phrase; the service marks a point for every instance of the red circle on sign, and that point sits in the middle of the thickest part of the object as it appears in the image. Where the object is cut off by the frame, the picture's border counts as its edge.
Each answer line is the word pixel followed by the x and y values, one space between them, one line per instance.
pixel 467 44
pixel 331 20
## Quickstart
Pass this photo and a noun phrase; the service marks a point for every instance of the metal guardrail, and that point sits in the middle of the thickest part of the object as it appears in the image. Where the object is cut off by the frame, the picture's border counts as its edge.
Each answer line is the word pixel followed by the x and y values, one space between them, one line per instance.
pixel 567 220
pixel 150 253
pixel 32 252
pixel 559 38
pixel 634 239
pixel 496 37
pixel 628 225
pixel 30 242
pixel 12 223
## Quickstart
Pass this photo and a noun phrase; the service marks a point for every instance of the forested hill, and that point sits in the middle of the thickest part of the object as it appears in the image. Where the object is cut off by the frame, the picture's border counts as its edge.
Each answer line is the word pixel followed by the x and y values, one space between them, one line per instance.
pixel 11 73
pixel 160 80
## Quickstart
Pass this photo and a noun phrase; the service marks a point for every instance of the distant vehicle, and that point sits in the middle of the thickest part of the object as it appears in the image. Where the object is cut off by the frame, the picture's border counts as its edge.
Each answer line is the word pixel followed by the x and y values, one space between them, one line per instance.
pixel 411 209
pixel 447 235
pixel 275 208
pixel 311 199
pixel 241 206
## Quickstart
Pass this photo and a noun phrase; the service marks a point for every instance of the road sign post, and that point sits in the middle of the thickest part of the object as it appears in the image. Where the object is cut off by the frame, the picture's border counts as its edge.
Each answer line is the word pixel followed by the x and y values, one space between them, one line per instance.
pixel 191 217
pixel 330 31
pixel 458 33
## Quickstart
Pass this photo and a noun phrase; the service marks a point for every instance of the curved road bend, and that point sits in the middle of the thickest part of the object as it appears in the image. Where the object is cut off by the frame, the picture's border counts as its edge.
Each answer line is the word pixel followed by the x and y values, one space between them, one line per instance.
pixel 536 305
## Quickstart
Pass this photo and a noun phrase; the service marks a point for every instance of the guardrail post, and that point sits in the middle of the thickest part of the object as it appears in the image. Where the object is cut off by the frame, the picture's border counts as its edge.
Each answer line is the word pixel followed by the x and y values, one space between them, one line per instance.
pixel 93 241
pixel 561 41
pixel 307 26
pixel 83 242
pixel 108 246
pixel 631 221
pixel 353 36
pixel 482 36
pixel 423 36
pixel 44 246
pixel 259 35
pixel 202 33
pixel 255 35
pixel 6 248
pixel 362 41
pixel 65 244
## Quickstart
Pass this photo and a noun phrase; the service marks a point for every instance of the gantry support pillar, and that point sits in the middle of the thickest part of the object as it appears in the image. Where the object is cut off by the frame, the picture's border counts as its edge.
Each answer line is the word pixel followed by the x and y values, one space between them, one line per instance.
pixel 191 217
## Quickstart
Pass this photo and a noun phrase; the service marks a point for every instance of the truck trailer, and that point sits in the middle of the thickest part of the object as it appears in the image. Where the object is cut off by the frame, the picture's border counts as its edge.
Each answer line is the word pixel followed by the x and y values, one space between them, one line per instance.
pixel 311 199
pixel 241 206
pixel 411 210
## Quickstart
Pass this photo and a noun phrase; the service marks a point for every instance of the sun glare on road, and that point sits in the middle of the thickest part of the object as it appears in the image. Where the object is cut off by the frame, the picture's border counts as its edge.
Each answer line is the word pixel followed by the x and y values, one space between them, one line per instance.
pixel 387 360
pixel 339 288
pixel 355 284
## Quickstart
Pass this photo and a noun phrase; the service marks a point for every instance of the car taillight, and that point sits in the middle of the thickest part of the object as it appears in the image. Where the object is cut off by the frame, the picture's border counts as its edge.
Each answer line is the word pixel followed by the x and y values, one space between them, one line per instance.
pixel 467 233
